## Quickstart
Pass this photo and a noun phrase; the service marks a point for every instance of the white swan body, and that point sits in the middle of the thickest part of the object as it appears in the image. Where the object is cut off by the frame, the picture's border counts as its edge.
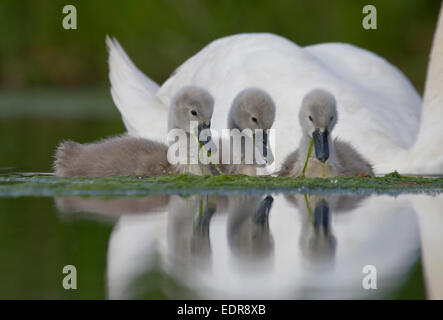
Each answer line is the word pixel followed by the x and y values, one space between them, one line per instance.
pixel 426 156
pixel 378 106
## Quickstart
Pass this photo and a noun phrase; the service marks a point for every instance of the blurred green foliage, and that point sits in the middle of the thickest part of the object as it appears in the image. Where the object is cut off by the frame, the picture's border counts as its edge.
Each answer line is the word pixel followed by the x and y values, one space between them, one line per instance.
pixel 159 35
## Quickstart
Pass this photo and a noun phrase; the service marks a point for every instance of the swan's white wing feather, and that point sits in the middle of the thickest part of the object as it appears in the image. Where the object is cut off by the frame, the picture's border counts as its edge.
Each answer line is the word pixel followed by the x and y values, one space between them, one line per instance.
pixel 427 156
pixel 134 94
pixel 380 80
pixel 369 114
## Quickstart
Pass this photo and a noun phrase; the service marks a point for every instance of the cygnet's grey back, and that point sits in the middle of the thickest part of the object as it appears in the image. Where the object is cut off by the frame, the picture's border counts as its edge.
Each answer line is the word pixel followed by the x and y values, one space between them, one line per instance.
pixel 252 108
pixel 190 103
pixel 118 156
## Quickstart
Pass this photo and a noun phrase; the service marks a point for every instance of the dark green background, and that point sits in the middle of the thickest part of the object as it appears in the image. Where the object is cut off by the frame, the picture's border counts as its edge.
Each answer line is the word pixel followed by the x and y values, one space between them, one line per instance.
pixel 54 84
pixel 159 35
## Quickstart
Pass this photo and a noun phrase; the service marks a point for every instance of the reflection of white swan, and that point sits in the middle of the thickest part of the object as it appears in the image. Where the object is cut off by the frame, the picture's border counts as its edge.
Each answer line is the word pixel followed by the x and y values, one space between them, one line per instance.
pixel 132 252
pixel 430 219
pixel 134 241
pixel 203 260
pixel 379 108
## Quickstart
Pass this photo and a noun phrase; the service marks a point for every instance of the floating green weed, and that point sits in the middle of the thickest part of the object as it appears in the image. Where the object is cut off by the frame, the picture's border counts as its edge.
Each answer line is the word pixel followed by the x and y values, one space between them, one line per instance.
pixel 13 186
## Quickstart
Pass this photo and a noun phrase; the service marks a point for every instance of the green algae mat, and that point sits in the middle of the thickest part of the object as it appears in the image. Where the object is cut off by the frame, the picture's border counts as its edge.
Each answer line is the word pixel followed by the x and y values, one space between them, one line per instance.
pixel 17 185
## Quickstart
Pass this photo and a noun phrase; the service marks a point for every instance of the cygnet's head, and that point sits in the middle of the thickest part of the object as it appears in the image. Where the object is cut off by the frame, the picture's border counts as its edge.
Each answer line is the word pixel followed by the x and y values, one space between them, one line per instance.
pixel 318 116
pixel 254 109
pixel 192 103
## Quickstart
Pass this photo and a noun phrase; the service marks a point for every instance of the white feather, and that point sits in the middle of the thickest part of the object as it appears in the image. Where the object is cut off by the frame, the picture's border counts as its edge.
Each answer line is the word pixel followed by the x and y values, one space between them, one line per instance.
pixel 134 94
pixel 426 155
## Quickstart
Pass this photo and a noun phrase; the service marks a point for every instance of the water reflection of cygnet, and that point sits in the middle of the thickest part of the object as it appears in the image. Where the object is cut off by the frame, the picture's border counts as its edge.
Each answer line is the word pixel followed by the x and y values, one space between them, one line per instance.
pixel 317 241
pixel 249 236
pixel 188 231
pixel 113 208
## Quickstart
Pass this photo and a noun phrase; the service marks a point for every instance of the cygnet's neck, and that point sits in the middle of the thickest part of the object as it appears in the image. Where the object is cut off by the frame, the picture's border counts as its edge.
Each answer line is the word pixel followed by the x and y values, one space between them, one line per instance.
pixel 231 122
pixel 233 125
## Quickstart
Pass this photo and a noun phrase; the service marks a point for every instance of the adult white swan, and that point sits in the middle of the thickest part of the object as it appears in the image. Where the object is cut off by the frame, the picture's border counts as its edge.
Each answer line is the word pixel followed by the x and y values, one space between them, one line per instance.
pixel 378 106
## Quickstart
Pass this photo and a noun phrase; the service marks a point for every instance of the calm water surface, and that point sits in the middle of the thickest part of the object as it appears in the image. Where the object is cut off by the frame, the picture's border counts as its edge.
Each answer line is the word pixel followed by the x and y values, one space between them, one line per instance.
pixel 250 246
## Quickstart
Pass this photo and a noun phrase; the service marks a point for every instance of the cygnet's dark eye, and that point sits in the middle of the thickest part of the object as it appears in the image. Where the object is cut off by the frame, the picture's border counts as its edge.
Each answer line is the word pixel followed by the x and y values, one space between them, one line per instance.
pixel 254 119
pixel 193 112
pixel 332 118
pixel 310 118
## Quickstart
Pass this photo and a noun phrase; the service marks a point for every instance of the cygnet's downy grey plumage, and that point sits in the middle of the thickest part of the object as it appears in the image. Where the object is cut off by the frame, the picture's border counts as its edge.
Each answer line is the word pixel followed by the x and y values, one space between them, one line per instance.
pixel 253 109
pixel 118 156
pixel 125 155
pixel 329 157
pixel 192 104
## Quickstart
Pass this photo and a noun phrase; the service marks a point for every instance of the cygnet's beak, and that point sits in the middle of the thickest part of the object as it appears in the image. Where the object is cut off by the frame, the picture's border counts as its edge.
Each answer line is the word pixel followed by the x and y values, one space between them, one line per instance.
pixel 204 136
pixel 321 144
pixel 262 145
